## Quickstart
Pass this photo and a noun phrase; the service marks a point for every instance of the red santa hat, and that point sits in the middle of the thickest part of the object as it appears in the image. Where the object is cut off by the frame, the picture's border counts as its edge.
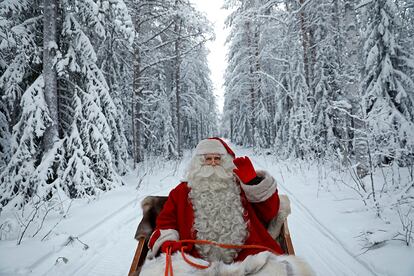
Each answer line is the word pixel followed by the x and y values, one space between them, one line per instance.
pixel 213 145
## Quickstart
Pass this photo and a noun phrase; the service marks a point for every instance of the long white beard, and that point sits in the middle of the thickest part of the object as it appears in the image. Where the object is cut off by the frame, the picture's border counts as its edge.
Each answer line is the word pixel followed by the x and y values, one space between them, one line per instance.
pixel 218 211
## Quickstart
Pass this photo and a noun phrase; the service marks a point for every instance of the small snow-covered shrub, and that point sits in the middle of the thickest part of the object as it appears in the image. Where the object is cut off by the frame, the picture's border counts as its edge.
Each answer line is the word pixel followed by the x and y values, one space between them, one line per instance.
pixel 9 229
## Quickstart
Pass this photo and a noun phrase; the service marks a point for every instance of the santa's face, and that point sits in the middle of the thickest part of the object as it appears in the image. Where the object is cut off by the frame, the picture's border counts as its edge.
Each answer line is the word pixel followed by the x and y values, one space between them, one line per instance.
pixel 218 212
pixel 212 159
pixel 210 168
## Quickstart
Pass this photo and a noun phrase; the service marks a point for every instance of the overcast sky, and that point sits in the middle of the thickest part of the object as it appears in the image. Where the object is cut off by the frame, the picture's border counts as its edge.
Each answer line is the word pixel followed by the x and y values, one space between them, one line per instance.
pixel 217 56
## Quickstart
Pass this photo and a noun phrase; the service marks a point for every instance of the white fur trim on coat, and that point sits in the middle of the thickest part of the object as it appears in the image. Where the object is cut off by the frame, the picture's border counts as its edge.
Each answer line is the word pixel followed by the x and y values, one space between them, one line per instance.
pixel 276 223
pixel 261 191
pixel 210 146
pixel 165 235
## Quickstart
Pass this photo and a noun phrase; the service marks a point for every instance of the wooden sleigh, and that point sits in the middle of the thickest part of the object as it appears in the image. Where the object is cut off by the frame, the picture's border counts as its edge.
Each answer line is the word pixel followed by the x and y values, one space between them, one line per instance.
pixel 151 207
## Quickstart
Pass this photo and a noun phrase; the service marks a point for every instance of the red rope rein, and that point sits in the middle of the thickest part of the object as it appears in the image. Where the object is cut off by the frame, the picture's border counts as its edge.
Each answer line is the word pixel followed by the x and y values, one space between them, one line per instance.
pixel 168 260
pixel 168 263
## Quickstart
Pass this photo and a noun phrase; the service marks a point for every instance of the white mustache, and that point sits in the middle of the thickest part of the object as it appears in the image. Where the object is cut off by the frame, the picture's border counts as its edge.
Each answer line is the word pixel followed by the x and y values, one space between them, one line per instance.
pixel 219 171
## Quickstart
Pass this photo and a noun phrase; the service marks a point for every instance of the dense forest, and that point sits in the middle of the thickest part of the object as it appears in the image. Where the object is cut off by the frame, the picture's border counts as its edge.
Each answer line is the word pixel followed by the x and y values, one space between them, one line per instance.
pixel 330 83
pixel 310 79
pixel 86 86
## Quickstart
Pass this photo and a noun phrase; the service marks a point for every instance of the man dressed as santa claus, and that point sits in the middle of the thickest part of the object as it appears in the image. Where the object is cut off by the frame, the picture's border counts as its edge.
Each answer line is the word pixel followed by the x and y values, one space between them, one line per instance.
pixel 219 219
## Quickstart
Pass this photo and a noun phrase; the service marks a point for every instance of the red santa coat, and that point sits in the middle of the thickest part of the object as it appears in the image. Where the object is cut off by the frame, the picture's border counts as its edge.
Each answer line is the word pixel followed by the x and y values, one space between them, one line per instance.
pixel 260 202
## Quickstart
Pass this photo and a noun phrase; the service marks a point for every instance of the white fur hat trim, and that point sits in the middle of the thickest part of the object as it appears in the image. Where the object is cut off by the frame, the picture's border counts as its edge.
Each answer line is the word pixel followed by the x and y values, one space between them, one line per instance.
pixel 207 146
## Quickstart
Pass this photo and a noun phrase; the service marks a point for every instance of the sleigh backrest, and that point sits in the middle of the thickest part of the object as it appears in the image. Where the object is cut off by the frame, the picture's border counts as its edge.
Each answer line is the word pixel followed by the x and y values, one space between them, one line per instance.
pixel 152 206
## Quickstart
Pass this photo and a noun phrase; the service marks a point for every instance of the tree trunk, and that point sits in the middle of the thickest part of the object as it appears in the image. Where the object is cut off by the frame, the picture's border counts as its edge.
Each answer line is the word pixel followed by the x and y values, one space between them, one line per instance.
pixel 177 80
pixel 258 78
pixel 351 87
pixel 49 72
pixel 136 101
pixel 305 41
pixel 202 127
pixel 231 127
pixel 252 123
pixel 260 128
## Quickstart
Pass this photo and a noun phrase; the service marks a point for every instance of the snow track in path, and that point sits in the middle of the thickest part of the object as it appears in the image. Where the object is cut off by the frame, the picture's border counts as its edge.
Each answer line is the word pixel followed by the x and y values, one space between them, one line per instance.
pixel 111 246
pixel 114 258
pixel 114 254
pixel 325 252
pixel 316 244
pixel 59 250
pixel 81 257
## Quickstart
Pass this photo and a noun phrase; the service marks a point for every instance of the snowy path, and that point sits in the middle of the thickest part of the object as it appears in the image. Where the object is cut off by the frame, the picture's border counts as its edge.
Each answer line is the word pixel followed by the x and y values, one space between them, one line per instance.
pixel 112 245
pixel 112 230
pixel 114 258
pixel 319 246
pixel 312 241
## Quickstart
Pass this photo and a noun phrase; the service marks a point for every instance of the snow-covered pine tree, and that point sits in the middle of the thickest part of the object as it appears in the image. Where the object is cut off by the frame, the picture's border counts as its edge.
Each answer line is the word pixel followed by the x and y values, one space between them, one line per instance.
pixel 152 98
pixel 20 54
pixel 21 61
pixel 199 112
pixel 259 92
pixel 17 187
pixel 324 82
pixel 160 138
pixel 81 86
pixel 113 52
pixel 258 101
pixel 191 30
pixel 76 176
pixel 238 82
pixel 5 136
pixel 387 85
pixel 167 33
pixel 81 73
pixel 406 29
pixel 293 113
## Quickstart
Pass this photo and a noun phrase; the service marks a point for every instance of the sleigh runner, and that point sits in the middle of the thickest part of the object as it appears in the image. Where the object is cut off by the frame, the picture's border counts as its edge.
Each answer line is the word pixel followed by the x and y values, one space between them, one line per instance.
pixel 152 206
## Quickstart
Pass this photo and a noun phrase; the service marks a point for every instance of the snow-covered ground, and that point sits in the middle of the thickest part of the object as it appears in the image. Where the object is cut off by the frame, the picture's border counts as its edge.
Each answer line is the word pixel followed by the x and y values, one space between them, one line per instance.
pixel 327 225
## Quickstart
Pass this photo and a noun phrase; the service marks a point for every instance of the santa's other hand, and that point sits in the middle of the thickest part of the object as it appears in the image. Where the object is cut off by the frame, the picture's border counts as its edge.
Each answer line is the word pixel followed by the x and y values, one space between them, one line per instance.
pixel 175 246
pixel 244 169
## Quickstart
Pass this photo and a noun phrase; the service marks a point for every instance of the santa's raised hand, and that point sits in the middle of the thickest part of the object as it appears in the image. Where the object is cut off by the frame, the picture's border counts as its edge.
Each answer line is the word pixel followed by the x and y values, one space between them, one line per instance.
pixel 244 169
